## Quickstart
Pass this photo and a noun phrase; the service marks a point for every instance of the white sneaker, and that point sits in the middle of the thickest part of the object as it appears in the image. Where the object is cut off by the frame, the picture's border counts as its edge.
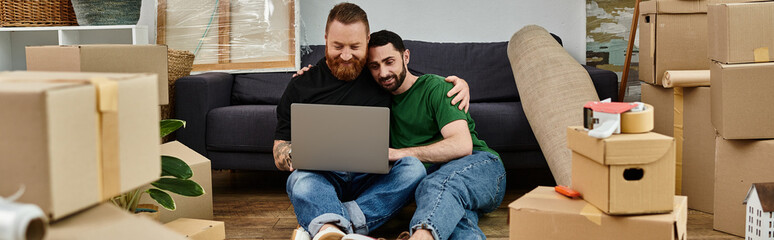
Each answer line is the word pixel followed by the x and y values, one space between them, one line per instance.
pixel 330 233
pixel 300 234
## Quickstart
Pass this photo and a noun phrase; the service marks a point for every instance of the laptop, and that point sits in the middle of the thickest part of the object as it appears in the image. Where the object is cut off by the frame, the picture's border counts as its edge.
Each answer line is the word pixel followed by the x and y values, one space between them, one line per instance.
pixel 340 138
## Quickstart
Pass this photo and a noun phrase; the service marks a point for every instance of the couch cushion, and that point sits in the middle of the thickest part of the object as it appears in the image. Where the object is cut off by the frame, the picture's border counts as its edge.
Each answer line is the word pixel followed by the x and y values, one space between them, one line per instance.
pixel 503 126
pixel 484 66
pixel 241 128
pixel 259 88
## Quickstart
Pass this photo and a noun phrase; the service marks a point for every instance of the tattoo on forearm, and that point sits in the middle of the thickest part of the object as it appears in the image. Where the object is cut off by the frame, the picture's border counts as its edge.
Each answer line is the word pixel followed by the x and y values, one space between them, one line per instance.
pixel 282 149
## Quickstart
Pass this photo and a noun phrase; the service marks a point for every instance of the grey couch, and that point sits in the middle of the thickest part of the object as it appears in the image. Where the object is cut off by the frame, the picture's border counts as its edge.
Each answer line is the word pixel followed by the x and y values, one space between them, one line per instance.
pixel 231 118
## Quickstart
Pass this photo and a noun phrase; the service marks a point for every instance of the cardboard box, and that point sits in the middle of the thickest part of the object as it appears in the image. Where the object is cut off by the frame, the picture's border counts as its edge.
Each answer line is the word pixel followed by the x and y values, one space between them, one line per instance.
pixel 624 173
pixel 198 229
pixel 545 214
pixel 51 144
pixel 106 221
pixel 742 32
pixel 116 58
pixel 698 164
pixel 188 207
pixel 673 36
pixel 663 102
pixel 741 97
pixel 738 164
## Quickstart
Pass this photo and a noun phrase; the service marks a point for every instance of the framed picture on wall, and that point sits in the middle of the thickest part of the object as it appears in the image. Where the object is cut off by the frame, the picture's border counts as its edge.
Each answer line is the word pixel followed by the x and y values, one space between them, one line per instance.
pixel 232 36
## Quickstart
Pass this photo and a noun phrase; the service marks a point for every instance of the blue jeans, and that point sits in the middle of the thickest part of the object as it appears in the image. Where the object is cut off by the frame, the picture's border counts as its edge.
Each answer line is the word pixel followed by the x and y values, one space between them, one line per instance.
pixel 451 197
pixel 355 202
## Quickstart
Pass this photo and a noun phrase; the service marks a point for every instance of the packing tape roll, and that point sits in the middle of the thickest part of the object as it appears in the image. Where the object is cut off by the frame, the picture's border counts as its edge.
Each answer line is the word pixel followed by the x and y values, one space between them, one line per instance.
pixel 686 78
pixel 20 221
pixel 637 122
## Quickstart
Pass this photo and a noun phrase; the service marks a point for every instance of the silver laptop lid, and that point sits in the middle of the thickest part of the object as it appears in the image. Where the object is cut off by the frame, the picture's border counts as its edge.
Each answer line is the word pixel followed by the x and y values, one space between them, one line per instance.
pixel 340 138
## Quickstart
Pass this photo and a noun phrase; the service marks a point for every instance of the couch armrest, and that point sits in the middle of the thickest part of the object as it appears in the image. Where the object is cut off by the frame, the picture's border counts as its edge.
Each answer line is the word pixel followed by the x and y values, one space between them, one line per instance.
pixel 605 81
pixel 195 96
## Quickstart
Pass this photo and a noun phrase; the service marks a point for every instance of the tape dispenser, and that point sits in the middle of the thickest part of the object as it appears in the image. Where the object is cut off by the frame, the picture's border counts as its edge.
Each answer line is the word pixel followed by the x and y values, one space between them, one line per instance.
pixel 604 118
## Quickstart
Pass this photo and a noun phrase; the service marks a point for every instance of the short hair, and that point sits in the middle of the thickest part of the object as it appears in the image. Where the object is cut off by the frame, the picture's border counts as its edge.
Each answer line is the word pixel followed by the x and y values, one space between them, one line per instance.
pixel 384 37
pixel 347 13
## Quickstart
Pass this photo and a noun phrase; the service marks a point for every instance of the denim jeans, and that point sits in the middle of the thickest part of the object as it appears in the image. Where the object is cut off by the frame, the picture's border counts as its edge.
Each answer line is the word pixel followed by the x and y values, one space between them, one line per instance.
pixel 355 202
pixel 451 197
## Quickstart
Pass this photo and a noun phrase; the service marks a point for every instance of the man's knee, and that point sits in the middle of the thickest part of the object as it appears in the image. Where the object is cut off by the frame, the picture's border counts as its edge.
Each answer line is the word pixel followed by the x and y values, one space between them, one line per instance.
pixel 410 168
pixel 296 185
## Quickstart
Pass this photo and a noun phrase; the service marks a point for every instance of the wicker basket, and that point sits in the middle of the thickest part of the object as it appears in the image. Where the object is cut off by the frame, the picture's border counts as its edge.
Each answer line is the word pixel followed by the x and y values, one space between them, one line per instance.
pixel 179 64
pixel 36 13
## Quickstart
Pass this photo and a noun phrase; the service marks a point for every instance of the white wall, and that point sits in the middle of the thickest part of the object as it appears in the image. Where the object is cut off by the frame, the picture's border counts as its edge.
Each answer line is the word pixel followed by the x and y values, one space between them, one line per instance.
pixel 443 20
pixel 148 18
pixel 459 20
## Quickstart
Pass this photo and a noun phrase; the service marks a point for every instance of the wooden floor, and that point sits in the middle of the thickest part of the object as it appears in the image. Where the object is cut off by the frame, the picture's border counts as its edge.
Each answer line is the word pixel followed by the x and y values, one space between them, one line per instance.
pixel 254 205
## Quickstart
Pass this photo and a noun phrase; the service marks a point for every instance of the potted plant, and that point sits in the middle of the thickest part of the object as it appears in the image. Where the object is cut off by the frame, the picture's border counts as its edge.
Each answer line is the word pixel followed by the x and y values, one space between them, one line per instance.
pixel 175 178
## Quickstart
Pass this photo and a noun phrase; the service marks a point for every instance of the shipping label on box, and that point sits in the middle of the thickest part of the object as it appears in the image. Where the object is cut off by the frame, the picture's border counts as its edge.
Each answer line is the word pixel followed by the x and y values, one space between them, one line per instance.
pixel 106 221
pixel 545 214
pixel 663 102
pixel 698 157
pixel 198 229
pixel 741 97
pixel 741 32
pixel 74 139
pixel 115 58
pixel 738 164
pixel 673 36
pixel 187 207
pixel 624 173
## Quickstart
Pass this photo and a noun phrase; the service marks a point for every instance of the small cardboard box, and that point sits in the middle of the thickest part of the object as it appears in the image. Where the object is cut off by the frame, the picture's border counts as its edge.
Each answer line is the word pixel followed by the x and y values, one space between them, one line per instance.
pixel 69 152
pixel 188 207
pixel 116 58
pixel 106 221
pixel 624 173
pixel 698 148
pixel 198 229
pixel 663 103
pixel 673 36
pixel 738 164
pixel 545 214
pixel 741 97
pixel 741 32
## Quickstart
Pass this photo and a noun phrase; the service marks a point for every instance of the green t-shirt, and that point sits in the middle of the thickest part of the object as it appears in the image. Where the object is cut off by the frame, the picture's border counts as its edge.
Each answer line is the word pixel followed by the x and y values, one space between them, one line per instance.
pixel 418 115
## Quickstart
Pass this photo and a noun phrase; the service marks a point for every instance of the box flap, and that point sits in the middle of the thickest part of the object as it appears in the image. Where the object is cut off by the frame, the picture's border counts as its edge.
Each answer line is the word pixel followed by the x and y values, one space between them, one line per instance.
pixel 545 199
pixel 619 149
pixel 671 6
pixel 198 229
pixel 106 221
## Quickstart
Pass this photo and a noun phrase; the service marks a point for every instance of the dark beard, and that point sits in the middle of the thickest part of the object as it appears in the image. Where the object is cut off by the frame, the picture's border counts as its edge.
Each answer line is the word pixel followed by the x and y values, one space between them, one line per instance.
pixel 398 80
pixel 342 72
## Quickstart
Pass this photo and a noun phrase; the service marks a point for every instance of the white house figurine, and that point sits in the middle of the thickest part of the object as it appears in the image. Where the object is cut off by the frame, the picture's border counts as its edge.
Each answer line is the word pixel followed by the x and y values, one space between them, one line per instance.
pixel 760 205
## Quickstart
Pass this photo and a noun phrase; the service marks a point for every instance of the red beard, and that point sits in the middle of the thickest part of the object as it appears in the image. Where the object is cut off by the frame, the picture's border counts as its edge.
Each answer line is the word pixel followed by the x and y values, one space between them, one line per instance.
pixel 342 72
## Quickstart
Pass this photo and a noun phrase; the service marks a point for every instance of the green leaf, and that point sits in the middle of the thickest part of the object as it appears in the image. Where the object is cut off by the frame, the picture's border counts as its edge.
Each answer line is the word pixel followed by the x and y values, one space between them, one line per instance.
pixel 179 186
pixel 170 125
pixel 172 166
pixel 162 198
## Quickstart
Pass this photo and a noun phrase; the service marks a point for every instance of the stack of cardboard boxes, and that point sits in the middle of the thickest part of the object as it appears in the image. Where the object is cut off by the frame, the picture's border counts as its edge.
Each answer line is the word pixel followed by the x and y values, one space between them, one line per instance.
pixel 627 184
pixel 742 77
pixel 733 40
pixel 74 140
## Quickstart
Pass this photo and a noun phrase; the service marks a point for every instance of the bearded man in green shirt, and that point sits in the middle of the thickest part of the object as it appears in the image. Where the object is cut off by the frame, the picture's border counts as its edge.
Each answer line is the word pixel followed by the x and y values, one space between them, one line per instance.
pixel 465 177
